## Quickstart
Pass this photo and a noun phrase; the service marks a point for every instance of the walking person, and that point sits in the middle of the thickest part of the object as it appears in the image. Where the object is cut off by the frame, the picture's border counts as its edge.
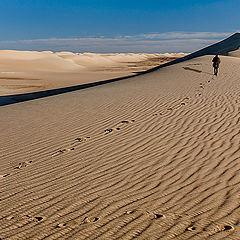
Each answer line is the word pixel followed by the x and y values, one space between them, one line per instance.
pixel 216 63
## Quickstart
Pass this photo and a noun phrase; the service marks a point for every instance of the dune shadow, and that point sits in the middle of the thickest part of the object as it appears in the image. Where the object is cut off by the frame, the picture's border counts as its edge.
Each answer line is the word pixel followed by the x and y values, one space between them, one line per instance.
pixel 192 69
pixel 11 99
pixel 196 70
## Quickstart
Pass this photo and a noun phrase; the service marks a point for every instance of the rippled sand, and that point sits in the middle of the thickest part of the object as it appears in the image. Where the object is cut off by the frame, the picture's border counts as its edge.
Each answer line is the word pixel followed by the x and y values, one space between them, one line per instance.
pixel 151 157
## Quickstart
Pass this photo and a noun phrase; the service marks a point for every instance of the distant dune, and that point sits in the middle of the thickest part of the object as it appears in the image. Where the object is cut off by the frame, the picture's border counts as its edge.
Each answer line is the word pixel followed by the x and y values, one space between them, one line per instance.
pixel 30 71
pixel 154 156
pixel 235 53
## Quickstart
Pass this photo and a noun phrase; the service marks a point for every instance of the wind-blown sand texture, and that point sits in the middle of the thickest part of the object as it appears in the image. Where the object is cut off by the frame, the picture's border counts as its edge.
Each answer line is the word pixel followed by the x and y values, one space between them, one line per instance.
pixel 151 157
pixel 30 71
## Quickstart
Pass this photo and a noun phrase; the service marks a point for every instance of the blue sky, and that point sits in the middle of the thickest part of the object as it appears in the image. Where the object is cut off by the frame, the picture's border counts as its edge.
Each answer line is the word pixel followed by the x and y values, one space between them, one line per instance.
pixel 116 25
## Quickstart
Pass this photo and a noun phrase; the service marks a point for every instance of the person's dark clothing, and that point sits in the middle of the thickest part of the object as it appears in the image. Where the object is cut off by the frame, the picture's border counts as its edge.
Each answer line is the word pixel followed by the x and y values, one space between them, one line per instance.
pixel 216 63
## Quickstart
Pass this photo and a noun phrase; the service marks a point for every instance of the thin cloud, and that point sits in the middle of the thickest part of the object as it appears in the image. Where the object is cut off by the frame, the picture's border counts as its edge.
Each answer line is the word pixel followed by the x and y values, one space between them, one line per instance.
pixel 155 42
pixel 181 35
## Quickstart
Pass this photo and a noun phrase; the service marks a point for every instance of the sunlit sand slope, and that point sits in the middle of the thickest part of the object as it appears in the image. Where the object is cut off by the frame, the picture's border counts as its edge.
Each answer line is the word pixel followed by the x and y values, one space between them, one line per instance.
pixel 31 71
pixel 152 157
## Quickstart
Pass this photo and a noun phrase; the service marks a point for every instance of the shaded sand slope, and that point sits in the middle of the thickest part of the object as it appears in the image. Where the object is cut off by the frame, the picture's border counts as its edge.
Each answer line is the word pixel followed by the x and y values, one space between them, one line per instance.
pixel 153 157
pixel 232 43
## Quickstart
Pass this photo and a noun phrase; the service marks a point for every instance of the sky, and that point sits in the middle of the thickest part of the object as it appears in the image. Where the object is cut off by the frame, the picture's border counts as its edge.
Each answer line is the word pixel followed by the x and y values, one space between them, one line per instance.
pixel 116 25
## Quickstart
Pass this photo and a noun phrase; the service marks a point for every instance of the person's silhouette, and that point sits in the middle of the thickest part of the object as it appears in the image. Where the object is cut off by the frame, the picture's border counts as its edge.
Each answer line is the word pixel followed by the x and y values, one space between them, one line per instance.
pixel 216 63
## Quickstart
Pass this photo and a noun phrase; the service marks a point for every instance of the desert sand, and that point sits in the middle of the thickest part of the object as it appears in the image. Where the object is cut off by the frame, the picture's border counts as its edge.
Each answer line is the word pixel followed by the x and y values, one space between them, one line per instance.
pixel 32 71
pixel 235 53
pixel 155 156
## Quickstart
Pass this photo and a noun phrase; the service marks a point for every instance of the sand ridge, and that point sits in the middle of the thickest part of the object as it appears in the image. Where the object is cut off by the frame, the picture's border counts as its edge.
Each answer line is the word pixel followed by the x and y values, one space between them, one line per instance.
pixel 152 157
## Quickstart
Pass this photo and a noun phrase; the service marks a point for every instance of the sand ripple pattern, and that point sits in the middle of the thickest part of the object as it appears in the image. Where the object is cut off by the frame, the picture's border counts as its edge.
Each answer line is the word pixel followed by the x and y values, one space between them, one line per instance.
pixel 156 157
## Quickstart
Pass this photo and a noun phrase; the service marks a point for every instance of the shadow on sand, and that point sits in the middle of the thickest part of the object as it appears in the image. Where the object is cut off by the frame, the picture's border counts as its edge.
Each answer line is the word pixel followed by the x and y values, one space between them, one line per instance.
pixel 192 69
pixel 196 70
pixel 11 99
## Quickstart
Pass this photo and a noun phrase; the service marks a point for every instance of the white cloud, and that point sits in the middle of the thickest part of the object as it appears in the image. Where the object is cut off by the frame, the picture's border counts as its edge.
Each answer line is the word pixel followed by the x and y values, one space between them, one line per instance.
pixel 182 35
pixel 155 42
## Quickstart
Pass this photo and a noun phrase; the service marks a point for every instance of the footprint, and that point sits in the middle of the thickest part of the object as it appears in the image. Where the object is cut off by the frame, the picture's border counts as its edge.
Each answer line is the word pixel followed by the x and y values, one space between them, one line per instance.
pixel 65 150
pixel 35 219
pixel 23 164
pixel 159 216
pixel 228 228
pixel 110 130
pixel 82 139
pixel 190 229
pixel 90 220
pixel 9 217
pixel 169 109
pixel 130 212
pixel 61 225
pixel 79 140
pixel 198 94
pixel 156 114
pixel 95 219
pixel 38 219
pixel 185 101
pixel 4 175
pixel 156 215
pixel 86 220
pixel 127 121
pixel 70 223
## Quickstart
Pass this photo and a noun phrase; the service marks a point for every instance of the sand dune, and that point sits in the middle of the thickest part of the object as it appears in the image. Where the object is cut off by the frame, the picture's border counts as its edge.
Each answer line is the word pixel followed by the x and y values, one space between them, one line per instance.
pixel 151 157
pixel 31 71
pixel 235 53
